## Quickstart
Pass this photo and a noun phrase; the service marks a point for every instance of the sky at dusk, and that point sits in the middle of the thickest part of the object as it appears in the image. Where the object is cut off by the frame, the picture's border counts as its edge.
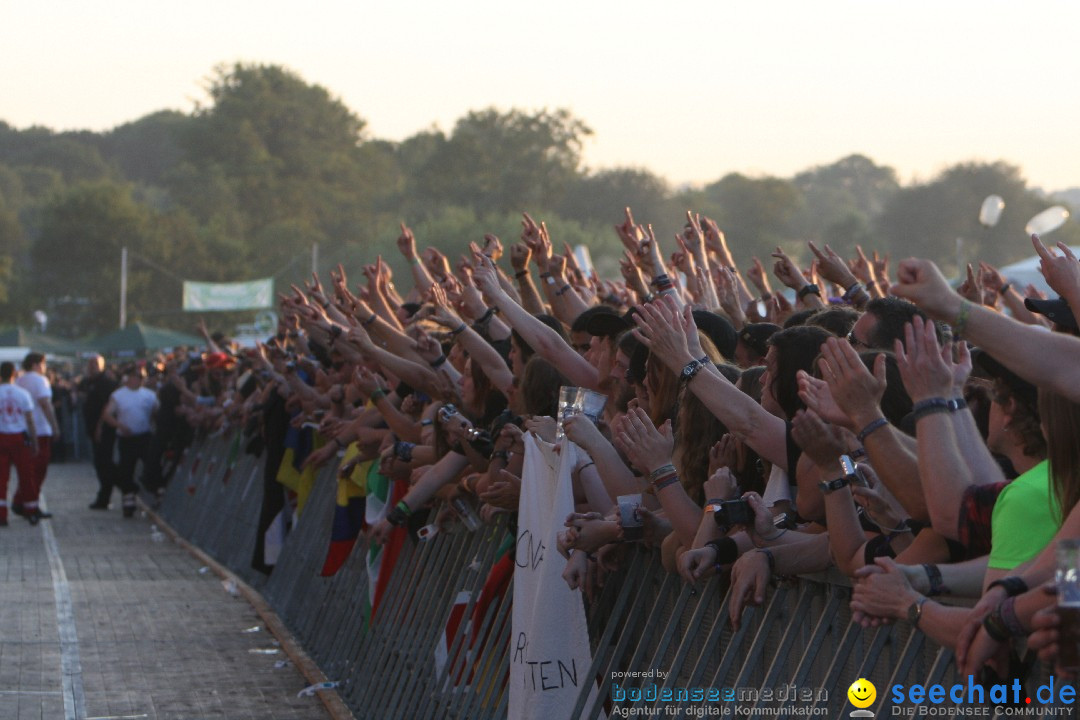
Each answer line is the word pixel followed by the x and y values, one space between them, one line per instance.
pixel 690 90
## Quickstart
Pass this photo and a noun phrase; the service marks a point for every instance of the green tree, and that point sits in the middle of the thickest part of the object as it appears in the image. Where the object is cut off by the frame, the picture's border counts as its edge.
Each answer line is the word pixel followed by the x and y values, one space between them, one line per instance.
pixel 76 259
pixel 504 161
pixel 925 220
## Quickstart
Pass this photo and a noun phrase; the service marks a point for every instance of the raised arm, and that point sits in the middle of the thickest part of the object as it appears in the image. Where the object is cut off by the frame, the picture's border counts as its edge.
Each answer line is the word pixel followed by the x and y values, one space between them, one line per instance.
pixel 545 341
pixel 668 333
pixel 1057 364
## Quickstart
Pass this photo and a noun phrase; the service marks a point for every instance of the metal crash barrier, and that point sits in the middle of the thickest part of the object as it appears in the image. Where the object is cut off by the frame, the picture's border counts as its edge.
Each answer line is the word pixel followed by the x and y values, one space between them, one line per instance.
pixel 794 656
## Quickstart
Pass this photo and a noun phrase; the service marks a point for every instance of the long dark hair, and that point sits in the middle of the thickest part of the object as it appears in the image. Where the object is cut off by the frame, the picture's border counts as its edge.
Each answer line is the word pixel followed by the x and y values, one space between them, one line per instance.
pixel 1061 417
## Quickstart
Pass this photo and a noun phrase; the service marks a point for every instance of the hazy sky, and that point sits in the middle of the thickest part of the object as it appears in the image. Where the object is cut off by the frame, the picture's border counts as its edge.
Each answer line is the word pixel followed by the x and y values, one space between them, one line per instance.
pixel 692 90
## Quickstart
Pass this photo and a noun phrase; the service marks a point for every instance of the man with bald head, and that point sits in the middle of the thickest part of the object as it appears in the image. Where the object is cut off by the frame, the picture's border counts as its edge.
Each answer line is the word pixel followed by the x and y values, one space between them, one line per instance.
pixel 95 389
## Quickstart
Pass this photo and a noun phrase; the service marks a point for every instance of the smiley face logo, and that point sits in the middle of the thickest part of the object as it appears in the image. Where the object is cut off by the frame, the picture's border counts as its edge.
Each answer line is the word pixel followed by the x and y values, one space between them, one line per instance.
pixel 862 693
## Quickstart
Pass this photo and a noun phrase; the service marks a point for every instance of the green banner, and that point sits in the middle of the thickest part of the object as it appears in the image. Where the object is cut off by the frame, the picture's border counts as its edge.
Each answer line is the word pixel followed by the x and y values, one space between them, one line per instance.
pixel 229 296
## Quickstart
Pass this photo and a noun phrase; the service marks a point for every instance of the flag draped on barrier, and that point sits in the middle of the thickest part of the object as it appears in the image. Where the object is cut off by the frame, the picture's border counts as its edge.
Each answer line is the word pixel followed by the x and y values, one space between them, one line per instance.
pixel 549 642
pixel 349 511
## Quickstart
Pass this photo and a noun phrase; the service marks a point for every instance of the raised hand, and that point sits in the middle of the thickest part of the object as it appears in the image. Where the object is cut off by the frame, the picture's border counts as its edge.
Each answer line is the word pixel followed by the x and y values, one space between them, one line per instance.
pixel 832 267
pixel 647 446
pixel 856 391
pixel 971 288
pixel 406 242
pixel 921 282
pixel 519 256
pixel 493 247
pixel 1062 272
pixel 822 443
pixel 927 372
pixel 665 331
pixel 759 277
pixel 786 271
pixel 628 233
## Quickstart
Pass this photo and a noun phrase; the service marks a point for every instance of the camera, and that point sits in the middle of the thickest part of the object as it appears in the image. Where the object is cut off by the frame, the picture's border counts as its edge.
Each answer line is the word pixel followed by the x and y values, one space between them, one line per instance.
pixel 446 412
pixel 733 512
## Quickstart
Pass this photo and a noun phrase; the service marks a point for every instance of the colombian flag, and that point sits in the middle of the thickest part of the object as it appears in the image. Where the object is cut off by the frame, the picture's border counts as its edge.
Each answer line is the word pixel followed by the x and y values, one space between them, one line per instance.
pixel 348 512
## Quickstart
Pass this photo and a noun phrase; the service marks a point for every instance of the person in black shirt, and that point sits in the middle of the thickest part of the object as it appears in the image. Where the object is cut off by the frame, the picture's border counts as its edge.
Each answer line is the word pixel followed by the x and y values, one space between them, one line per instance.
pixel 95 390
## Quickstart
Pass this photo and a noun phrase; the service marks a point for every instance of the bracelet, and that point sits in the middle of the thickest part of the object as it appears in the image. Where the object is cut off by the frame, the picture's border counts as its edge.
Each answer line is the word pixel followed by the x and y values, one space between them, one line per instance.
pixel 962 319
pixel 662 470
pixel 668 481
pixel 460 329
pixel 775 537
pixel 772 560
pixel 1011 620
pixel 486 317
pixel 995 626
pixel 808 289
pixel 591 462
pixel 662 283
pixel 437 362
pixel 1013 585
pixel 899 530
pixel 404 450
pixel 928 407
pixel 399 514
pixel 1005 288
pixel 503 455
pixel 370 320
pixel 520 274
pixel 937 585
pixel 870 428
pixel 562 291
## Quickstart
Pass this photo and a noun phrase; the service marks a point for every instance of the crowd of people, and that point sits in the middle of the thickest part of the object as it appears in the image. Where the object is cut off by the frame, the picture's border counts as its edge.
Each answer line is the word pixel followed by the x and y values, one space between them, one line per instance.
pixel 921 440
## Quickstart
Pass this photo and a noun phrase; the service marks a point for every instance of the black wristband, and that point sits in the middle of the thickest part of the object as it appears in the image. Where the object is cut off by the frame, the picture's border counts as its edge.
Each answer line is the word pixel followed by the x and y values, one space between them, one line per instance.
pixel 808 289
pixel 937 585
pixel 437 362
pixel 1013 585
pixel 727 550
pixel 929 406
pixel 769 555
pixel 520 274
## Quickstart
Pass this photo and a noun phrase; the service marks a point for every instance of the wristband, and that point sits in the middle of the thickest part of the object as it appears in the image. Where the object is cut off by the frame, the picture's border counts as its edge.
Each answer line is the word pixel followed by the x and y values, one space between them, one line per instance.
pixel 1011 620
pixel 520 274
pixel 460 329
pixel 1005 288
pixel 937 585
pixel 486 317
pixel 995 626
pixel 376 394
pixel 871 428
pixel 437 362
pixel 399 514
pixel 727 551
pixel 957 403
pixel 668 481
pixel 962 319
pixel 503 455
pixel 1013 585
pixel 404 450
pixel 426 421
pixel 661 471
pixel 772 560
pixel 370 320
pixel 808 289
pixel 929 406
pixel 562 291
pixel 774 537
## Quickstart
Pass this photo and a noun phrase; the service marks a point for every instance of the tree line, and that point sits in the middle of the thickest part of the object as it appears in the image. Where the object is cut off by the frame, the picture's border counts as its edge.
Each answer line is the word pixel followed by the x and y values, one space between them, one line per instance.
pixel 242 188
